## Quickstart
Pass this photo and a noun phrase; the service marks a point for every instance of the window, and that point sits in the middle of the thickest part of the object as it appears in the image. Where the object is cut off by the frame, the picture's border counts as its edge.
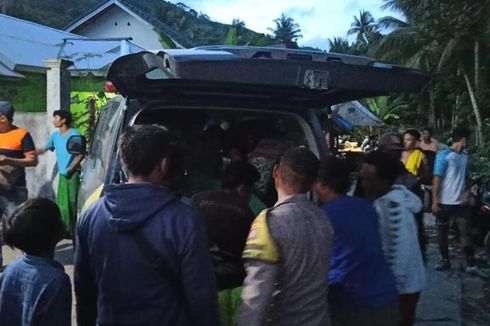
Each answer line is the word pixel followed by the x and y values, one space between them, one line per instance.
pixel 207 140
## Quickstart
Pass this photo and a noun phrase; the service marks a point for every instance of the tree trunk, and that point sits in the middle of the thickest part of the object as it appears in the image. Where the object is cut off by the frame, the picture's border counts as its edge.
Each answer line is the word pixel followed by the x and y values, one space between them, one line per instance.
pixel 476 109
pixel 477 65
pixel 432 107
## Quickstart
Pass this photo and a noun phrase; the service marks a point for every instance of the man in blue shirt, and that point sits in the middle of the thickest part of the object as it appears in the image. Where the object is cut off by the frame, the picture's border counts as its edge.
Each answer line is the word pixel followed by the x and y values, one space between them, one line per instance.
pixel 68 167
pixel 450 198
pixel 362 288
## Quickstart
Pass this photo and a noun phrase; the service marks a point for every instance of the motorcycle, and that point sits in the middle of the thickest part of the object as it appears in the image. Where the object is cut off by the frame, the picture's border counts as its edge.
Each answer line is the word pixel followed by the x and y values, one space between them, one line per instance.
pixel 480 200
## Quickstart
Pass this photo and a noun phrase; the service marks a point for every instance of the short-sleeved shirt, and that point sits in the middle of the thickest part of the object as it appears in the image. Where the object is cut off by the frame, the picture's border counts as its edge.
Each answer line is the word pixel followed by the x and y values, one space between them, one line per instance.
pixel 57 142
pixel 452 168
pixel 35 291
pixel 16 143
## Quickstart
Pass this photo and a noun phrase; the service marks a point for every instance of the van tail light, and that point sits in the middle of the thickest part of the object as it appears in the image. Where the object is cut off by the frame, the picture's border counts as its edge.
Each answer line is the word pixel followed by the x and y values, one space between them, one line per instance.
pixel 109 87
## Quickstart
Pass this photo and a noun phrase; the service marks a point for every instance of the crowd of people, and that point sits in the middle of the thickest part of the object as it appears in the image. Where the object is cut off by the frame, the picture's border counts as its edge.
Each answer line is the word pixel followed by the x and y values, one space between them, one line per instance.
pixel 147 256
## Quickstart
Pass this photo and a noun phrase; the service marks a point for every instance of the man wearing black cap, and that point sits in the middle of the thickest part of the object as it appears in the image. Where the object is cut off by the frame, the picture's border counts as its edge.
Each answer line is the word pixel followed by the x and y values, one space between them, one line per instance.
pixel 17 151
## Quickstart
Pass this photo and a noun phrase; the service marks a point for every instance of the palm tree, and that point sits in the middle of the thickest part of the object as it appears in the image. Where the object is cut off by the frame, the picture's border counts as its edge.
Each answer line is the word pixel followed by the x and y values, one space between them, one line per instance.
pixel 339 45
pixel 363 26
pixel 286 31
pixel 445 38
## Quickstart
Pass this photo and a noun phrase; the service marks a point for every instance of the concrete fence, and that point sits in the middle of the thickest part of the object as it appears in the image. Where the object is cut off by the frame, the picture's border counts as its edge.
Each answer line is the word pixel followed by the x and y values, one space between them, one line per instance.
pixel 42 179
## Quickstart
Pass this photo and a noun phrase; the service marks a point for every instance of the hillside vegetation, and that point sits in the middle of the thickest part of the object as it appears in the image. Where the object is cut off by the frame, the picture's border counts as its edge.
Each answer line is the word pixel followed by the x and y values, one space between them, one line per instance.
pixel 195 27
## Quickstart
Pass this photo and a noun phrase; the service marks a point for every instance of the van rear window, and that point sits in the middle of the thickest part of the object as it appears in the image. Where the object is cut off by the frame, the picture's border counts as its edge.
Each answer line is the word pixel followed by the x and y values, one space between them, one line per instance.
pixel 207 140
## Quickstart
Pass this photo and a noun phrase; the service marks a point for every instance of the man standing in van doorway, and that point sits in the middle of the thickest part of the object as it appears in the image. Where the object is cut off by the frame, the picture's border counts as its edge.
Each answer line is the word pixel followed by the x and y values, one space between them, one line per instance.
pixel 287 253
pixel 68 167
pixel 142 256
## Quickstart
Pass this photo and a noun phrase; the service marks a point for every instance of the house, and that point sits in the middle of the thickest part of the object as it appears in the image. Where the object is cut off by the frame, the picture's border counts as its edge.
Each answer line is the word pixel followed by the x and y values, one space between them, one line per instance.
pixel 25 47
pixel 32 78
pixel 119 18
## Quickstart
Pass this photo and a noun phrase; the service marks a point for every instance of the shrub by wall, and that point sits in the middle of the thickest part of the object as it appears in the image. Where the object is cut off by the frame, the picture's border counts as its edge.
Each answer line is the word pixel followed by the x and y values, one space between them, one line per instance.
pixel 27 94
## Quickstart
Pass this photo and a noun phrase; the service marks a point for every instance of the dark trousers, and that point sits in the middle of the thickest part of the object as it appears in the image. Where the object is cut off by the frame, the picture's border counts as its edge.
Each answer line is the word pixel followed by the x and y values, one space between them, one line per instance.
pixel 385 316
pixel 461 214
pixel 408 308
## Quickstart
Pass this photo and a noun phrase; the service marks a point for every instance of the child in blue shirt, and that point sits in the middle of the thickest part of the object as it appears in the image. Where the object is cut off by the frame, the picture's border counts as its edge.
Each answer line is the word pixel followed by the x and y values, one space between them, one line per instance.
pixel 35 290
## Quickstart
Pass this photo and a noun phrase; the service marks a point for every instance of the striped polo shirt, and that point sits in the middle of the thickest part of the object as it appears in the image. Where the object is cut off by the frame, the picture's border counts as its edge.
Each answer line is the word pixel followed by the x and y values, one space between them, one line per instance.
pixel 17 143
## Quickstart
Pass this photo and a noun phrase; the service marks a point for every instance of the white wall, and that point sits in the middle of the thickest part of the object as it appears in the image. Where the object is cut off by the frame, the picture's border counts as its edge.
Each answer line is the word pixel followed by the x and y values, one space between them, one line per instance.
pixel 39 181
pixel 105 26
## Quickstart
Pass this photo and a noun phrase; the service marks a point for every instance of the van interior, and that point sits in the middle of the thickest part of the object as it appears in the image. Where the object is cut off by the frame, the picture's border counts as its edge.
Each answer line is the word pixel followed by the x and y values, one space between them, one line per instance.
pixel 208 139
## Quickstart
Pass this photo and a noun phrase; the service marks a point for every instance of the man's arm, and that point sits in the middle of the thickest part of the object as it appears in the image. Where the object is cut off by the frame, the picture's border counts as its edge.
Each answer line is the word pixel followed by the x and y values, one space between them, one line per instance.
pixel 440 166
pixel 48 147
pixel 258 288
pixel 262 265
pixel 436 186
pixel 75 164
pixel 85 288
pixel 197 275
pixel 30 159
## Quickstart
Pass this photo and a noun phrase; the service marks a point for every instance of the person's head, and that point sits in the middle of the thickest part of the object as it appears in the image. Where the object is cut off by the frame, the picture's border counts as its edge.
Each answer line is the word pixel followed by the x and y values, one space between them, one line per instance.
pixel 411 138
pixel 35 227
pixel 296 171
pixel 239 177
pixel 378 173
pixel 237 155
pixel 333 179
pixel 459 137
pixel 6 113
pixel 62 117
pixel 145 152
pixel 392 144
pixel 427 134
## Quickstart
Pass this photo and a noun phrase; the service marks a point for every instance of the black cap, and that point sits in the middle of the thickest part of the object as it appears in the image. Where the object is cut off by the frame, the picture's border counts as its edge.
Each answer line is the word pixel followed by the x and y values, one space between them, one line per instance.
pixel 6 109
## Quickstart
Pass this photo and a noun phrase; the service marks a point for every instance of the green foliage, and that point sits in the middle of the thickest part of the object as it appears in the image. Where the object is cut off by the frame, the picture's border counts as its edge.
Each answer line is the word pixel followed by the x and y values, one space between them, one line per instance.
pixel 196 28
pixel 339 45
pixel 231 37
pixel 85 108
pixel 27 94
pixel 286 31
pixel 449 39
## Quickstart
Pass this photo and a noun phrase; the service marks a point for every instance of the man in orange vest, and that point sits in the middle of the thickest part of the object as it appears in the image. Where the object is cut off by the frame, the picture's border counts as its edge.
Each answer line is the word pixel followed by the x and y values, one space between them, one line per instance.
pixel 17 151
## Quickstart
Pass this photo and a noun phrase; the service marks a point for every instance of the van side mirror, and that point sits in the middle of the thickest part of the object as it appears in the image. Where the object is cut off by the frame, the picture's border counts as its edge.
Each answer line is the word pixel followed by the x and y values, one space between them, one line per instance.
pixel 77 145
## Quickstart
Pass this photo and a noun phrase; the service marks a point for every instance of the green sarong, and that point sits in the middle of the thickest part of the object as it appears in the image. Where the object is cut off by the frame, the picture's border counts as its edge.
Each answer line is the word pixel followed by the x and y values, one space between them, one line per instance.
pixel 67 199
pixel 229 302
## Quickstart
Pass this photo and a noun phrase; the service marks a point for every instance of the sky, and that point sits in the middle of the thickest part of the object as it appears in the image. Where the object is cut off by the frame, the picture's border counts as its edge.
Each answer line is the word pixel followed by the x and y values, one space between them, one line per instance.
pixel 319 20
